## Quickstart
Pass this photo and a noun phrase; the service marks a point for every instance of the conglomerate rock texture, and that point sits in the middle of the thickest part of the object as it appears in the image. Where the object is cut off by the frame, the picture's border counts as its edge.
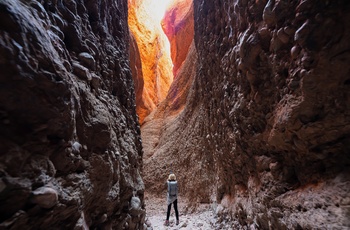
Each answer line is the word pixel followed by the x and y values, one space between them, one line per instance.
pixel 265 128
pixel 70 147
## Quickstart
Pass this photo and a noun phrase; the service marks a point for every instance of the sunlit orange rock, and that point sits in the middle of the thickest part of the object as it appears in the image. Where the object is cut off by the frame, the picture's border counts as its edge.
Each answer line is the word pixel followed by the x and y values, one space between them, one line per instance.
pixel 178 25
pixel 154 53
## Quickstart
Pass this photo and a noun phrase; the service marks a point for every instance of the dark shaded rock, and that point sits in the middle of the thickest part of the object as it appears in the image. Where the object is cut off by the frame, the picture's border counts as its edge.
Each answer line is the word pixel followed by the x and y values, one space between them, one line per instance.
pixel 81 72
pixel 87 60
pixel 69 135
pixel 136 69
pixel 14 195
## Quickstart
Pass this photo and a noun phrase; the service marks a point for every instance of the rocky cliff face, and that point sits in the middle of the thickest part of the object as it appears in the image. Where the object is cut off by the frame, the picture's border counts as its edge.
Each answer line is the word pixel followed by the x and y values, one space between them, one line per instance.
pixel 178 26
pixel 266 125
pixel 69 136
pixel 152 49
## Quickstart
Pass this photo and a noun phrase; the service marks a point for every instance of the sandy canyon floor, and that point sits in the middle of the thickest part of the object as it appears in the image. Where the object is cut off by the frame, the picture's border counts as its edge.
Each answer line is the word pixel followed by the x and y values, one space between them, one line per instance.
pixel 200 217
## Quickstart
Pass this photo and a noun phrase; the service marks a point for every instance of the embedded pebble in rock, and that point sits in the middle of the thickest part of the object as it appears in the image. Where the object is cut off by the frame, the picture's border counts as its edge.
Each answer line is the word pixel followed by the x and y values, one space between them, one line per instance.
pixel 136 206
pixel 87 60
pixel 45 197
pixel 263 127
pixel 135 203
pixel 295 51
pixel 76 146
pixel 82 72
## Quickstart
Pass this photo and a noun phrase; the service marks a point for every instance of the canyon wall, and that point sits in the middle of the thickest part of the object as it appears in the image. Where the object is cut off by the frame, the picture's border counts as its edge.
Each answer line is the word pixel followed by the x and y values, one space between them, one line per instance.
pixel 265 128
pixel 164 127
pixel 70 144
pixel 152 48
pixel 178 25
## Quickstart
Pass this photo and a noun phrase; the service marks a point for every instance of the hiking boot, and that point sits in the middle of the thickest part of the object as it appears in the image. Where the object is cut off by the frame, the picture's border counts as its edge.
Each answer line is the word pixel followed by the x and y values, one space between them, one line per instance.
pixel 166 223
pixel 177 222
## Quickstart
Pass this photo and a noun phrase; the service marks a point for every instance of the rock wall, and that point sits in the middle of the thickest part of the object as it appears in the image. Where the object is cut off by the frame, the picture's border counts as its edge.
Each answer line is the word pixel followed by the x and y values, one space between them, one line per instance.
pixel 178 25
pixel 265 131
pixel 156 62
pixel 70 142
pixel 164 127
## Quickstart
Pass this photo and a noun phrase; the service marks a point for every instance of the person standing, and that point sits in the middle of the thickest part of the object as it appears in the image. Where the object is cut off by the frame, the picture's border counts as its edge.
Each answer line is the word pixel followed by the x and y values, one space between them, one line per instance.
pixel 172 198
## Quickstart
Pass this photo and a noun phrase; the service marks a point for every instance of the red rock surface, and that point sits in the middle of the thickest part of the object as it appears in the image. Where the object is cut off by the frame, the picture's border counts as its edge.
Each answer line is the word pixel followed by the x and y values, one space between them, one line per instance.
pixel 178 25
pixel 69 136
pixel 156 61
pixel 265 129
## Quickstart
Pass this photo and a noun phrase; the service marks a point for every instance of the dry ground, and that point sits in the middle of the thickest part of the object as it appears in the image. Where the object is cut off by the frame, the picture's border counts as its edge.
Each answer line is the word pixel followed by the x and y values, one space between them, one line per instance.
pixel 201 217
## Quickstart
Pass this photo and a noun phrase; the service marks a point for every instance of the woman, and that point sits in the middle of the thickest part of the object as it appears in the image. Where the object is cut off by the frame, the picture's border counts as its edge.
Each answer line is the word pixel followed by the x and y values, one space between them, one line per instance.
pixel 172 198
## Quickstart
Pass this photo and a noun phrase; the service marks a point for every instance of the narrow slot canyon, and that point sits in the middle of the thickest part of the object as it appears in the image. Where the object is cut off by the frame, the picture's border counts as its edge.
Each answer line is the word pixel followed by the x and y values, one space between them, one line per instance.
pixel 245 101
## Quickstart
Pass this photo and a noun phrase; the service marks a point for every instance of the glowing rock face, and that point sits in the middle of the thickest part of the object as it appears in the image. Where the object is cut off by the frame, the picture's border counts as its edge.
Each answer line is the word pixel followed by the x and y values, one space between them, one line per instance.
pixel 178 25
pixel 154 49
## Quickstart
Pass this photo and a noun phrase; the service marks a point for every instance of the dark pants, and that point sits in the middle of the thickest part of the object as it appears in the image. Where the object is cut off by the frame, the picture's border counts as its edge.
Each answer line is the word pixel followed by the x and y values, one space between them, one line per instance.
pixel 176 211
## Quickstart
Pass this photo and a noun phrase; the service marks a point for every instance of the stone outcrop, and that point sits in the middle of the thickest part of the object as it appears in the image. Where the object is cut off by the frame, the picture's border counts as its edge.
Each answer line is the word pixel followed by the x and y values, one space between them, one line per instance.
pixel 265 129
pixel 156 62
pixel 69 135
pixel 178 25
